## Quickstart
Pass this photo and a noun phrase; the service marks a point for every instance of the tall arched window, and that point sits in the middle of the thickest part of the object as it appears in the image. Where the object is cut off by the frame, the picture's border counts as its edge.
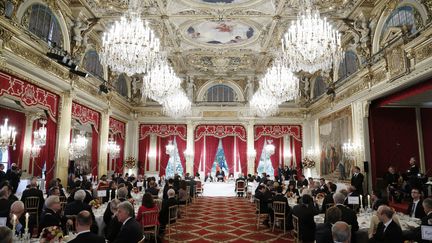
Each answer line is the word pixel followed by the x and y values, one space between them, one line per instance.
pixel 41 21
pixel 220 93
pixel 122 88
pixel 349 65
pixel 92 64
pixel 402 16
pixel 320 87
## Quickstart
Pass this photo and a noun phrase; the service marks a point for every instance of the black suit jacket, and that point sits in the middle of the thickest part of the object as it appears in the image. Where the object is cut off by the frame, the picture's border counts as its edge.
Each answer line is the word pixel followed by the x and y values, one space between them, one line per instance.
pixel 327 199
pixel 50 218
pixel 33 192
pixel 419 211
pixel 357 182
pixel 323 233
pixel 75 207
pixel 393 234
pixel 349 217
pixel 130 232
pixel 306 221
pixel 88 237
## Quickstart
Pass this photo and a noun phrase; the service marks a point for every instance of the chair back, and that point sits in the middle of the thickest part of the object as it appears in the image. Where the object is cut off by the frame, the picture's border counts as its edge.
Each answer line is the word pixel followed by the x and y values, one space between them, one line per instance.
pixel 149 219
pixel 172 213
pixel 240 185
pixel 32 204
pixel 198 185
pixel 329 205
pixel 257 205
pixel 295 230
pixel 279 208
pixel 158 203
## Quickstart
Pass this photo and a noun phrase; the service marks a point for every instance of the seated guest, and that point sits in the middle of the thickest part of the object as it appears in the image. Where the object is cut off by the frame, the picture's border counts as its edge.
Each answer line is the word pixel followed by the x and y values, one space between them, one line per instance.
pixel 131 230
pixel 18 209
pixel 11 191
pixel 152 188
pixel 415 208
pixel 77 187
pixel 415 234
pixel 305 214
pixel 121 195
pixel 279 197
pixel 164 212
pixel 377 200
pixel 4 203
pixel 292 191
pixel 348 215
pixel 328 199
pixel 323 233
pixel 341 232
pixel 302 182
pixel 352 192
pixel 315 188
pixel 51 215
pixel 53 191
pixel 110 192
pixel 88 191
pixel 375 221
pixel 392 180
pixel 83 223
pixel 265 196
pixel 182 193
pixel 311 183
pixel 323 186
pixel 140 183
pixel 169 185
pixel 78 205
pixel 387 231
pixel 146 206
pixel 110 219
pixel 6 235
pixel 32 191
pixel 103 183
pixel 220 175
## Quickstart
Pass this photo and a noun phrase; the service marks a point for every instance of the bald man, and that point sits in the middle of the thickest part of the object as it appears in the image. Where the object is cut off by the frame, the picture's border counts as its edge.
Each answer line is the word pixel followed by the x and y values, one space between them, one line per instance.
pixel 387 231
pixel 83 224
pixel 341 232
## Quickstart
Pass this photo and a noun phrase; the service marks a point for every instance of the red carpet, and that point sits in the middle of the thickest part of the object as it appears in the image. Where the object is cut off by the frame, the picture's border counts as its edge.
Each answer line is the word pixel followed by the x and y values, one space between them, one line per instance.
pixel 219 219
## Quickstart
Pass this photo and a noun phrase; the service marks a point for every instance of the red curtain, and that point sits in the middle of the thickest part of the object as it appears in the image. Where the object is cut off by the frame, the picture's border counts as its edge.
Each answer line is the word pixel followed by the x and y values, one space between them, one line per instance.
pixel 117 164
pixel 162 156
pixel 426 121
pixel 228 147
pixel 259 143
pixel 94 151
pixel 199 155
pixel 393 138
pixel 211 145
pixel 277 157
pixel 50 149
pixel 242 155
pixel 144 147
pixel 181 145
pixel 18 120
pixel 297 145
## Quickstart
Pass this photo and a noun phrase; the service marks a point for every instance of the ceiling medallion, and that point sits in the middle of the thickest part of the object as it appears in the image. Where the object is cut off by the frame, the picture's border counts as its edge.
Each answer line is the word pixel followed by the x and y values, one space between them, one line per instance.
pixel 311 43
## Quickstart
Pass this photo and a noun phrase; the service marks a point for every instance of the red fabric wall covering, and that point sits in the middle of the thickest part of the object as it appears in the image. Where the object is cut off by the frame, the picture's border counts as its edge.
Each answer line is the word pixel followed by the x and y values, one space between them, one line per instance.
pixel 94 151
pixel 18 120
pixel 144 146
pixel 426 120
pixel 393 139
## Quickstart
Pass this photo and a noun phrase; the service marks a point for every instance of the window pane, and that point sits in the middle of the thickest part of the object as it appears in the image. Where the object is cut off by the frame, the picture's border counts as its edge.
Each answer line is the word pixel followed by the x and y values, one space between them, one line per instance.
pixel 92 64
pixel 43 24
pixel 220 93
pixel 400 17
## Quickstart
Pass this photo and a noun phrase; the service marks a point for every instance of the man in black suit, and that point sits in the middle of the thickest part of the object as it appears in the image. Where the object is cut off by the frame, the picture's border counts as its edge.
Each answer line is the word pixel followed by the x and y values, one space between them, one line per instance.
pixel 82 225
pixel 78 205
pixel 131 230
pixel 387 231
pixel 13 175
pixel 164 212
pixel 357 180
pixel 279 197
pixel 415 234
pixel 415 208
pixel 413 170
pixel 348 215
pixel 265 197
pixel 51 216
pixel 323 233
pixel 323 186
pixel 302 182
pixel 32 191
pixel 305 213
pixel 2 173
pixel 341 233
pixel 328 199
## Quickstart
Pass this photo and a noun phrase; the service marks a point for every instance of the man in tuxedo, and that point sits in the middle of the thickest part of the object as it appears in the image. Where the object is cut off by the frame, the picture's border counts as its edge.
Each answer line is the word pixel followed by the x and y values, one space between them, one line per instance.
pixel 131 230
pixel 305 213
pixel 348 215
pixel 328 199
pixel 387 231
pixel 265 196
pixel 82 225
pixel 415 208
pixel 323 233
pixel 413 169
pixel 341 233
pixel 164 212
pixel 357 180
pixel 33 191
pixel 323 187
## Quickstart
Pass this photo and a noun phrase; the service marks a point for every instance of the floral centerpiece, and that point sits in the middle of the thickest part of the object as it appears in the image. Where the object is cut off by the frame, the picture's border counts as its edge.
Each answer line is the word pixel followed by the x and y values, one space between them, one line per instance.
pixel 95 203
pixel 308 163
pixel 51 234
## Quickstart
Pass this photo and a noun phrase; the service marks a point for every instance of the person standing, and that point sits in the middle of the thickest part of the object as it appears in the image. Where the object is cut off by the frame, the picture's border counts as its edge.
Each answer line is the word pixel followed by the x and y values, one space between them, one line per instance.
pixel 2 173
pixel 357 180
pixel 13 175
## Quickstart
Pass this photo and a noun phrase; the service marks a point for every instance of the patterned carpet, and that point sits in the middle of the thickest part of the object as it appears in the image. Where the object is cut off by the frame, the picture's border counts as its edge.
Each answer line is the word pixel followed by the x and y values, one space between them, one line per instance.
pixel 222 219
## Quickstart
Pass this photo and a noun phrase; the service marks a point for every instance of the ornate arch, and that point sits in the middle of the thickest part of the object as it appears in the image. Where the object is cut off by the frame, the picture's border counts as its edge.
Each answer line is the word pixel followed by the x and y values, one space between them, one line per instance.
pixel 386 13
pixel 56 12
pixel 203 90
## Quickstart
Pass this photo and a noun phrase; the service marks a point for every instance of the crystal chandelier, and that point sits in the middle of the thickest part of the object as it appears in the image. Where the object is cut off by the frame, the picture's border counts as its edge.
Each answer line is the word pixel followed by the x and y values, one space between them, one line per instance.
pixel 264 104
pixel 130 45
pixel 280 82
pixel 350 149
pixel 113 149
pixel 77 148
pixel 39 135
pixel 311 43
pixel 160 82
pixel 7 136
pixel 177 105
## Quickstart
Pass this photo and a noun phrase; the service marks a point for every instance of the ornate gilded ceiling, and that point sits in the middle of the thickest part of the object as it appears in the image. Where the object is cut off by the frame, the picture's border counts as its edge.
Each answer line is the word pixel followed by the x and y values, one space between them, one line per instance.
pixel 219 39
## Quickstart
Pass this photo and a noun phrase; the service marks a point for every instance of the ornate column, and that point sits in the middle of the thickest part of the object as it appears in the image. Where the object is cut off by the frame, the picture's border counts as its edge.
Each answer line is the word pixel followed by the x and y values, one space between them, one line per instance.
pixel 420 140
pixel 63 136
pixel 131 144
pixel 30 117
pixel 189 152
pixel 251 152
pixel 103 142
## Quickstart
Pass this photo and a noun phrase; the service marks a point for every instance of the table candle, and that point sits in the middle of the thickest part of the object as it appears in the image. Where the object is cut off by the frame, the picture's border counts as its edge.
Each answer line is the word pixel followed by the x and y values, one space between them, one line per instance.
pixel 361 201
pixel 109 194
pixel 368 198
pixel 26 221
pixel 14 218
